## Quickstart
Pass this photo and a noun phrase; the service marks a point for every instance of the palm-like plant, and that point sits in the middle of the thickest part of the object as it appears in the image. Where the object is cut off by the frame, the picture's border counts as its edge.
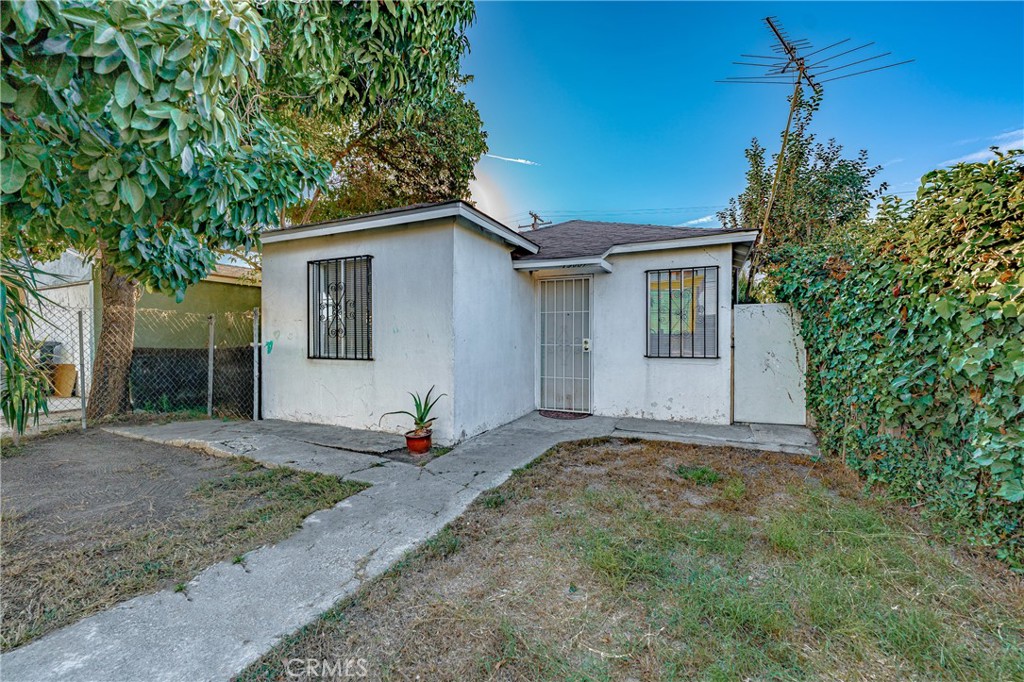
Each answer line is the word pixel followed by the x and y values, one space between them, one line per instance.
pixel 24 387
pixel 422 407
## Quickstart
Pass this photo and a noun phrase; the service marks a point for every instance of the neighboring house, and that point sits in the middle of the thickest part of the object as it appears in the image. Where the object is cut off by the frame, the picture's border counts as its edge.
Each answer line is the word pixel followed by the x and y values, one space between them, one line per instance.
pixel 70 283
pixel 70 286
pixel 603 318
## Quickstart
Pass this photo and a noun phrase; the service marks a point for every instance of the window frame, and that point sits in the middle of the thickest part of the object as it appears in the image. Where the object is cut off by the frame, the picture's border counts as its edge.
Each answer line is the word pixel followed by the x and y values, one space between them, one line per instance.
pixel 647 314
pixel 314 326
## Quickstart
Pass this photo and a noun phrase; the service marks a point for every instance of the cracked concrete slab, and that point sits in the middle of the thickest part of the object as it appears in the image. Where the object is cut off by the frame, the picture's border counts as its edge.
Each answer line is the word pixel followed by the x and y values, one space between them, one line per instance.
pixel 231 614
pixel 796 440
pixel 489 459
pixel 326 435
pixel 257 444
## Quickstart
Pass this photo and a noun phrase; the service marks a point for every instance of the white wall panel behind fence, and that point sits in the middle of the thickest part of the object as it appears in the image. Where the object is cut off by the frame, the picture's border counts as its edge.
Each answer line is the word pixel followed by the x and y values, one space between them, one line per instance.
pixel 770 365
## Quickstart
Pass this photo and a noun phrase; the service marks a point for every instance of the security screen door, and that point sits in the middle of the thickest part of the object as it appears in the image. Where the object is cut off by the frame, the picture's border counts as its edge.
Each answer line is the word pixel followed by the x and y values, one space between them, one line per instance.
pixel 565 367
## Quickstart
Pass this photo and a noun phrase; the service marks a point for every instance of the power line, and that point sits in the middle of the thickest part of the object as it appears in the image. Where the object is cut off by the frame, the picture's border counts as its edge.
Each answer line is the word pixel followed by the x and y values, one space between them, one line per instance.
pixel 522 215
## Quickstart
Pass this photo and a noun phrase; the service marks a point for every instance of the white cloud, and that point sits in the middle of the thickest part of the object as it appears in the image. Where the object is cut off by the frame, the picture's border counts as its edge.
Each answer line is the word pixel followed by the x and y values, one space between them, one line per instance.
pixel 699 221
pixel 1011 139
pixel 1010 135
pixel 525 162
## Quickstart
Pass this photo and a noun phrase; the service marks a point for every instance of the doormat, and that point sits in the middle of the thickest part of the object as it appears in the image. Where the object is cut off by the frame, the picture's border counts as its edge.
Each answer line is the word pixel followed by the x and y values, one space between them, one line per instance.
pixel 551 414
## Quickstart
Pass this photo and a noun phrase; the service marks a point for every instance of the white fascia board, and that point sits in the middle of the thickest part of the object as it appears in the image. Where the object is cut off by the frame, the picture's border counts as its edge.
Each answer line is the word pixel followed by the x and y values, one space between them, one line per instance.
pixel 343 227
pixel 555 263
pixel 496 228
pixel 684 243
pixel 404 218
pixel 740 253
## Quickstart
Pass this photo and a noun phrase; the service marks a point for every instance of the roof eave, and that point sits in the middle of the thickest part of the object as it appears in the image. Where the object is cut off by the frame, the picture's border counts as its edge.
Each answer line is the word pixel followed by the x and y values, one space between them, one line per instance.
pixel 457 209
pixel 494 227
pixel 589 263
pixel 747 236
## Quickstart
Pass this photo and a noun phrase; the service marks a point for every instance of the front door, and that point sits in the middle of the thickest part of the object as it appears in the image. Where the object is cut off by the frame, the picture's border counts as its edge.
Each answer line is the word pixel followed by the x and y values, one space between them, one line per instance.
pixel 565 366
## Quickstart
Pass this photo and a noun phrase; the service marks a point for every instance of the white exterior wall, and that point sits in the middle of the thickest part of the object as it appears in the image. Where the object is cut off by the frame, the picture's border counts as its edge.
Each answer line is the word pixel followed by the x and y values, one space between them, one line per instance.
pixel 495 335
pixel 68 269
pixel 628 384
pixel 413 340
pixel 771 364
pixel 450 311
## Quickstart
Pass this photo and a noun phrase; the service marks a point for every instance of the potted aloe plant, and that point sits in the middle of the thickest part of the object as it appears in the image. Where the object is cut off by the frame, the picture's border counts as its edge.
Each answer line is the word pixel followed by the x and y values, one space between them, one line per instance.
pixel 419 439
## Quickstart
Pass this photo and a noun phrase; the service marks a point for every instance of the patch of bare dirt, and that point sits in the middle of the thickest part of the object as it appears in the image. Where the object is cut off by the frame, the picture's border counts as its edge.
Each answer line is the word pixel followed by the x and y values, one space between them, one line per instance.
pixel 91 520
pixel 65 488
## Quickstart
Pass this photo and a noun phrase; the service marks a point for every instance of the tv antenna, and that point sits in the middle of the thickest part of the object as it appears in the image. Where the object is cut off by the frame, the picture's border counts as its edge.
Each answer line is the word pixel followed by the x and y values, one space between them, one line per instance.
pixel 795 62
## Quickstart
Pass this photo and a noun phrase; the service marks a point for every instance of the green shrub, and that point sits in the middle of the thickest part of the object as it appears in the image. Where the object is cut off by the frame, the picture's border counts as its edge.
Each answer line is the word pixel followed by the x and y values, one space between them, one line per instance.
pixel 915 329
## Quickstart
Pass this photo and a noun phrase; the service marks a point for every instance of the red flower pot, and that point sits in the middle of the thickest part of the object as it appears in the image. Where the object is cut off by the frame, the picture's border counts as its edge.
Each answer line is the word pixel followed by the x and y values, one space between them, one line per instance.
pixel 418 442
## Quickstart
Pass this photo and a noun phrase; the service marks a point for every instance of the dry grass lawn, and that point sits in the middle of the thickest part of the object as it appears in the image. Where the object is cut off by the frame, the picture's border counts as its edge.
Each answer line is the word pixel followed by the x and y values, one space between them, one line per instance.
pixel 624 560
pixel 91 520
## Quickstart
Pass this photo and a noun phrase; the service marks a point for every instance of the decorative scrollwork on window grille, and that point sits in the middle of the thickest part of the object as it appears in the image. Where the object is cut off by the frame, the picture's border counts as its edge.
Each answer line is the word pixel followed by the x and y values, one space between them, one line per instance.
pixel 340 307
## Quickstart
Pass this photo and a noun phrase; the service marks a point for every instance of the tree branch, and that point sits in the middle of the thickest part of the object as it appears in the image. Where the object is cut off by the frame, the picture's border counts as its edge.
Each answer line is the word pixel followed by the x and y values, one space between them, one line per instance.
pixel 338 158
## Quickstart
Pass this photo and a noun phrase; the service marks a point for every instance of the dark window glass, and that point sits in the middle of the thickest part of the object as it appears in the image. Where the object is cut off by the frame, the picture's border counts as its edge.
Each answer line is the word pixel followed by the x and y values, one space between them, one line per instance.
pixel 340 309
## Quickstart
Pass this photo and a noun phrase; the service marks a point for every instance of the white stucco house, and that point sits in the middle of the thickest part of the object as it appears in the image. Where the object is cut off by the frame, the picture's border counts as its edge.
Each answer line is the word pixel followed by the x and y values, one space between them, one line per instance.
pixel 604 318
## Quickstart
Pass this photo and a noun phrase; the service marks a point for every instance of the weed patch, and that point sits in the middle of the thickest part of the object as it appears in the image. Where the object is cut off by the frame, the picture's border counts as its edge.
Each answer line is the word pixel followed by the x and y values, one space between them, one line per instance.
pixel 698 474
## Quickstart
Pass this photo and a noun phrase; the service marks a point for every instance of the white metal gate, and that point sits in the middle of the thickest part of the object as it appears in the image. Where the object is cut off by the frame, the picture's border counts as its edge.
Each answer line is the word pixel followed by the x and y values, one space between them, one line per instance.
pixel 565 364
pixel 770 364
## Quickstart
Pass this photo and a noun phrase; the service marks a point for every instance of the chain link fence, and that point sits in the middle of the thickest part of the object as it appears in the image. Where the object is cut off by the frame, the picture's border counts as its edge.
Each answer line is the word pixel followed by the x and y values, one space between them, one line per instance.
pixel 63 336
pixel 191 362
pixel 168 362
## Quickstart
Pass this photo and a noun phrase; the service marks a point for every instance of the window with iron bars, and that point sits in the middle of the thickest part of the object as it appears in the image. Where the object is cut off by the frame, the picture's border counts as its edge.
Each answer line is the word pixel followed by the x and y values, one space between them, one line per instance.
pixel 682 313
pixel 341 309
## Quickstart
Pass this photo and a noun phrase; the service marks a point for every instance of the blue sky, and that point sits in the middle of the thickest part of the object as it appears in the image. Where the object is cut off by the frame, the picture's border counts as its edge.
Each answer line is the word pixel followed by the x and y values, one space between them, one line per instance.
pixel 616 109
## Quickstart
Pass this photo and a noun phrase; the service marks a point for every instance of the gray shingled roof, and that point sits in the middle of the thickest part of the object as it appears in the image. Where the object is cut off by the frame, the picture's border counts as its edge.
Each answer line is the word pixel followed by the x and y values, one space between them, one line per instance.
pixel 583 238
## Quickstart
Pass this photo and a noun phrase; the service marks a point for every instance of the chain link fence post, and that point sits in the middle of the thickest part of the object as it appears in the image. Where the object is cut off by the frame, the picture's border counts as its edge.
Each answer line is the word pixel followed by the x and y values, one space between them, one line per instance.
pixel 209 372
pixel 256 364
pixel 81 363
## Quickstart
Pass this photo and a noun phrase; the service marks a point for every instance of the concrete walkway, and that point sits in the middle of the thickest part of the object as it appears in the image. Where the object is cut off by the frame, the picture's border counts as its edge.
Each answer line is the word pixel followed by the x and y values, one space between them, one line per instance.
pixel 231 614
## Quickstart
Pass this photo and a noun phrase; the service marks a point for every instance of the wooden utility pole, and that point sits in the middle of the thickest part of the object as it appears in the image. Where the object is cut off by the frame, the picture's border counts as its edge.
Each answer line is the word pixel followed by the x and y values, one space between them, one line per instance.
pixel 537 222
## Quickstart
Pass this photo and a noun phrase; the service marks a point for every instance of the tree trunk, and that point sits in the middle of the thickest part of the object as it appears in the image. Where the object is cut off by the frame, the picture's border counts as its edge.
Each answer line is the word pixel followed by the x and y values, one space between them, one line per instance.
pixel 109 393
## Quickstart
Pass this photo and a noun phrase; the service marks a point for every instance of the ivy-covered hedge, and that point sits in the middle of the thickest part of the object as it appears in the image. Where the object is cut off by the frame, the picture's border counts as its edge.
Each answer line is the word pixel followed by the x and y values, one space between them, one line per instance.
pixel 915 330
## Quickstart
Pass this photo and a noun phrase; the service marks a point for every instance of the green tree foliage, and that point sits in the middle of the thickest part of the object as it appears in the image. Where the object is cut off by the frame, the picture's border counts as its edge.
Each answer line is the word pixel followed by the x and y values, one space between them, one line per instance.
pixel 133 132
pixel 139 133
pixel 915 327
pixel 392 163
pixel 820 194
pixel 130 133
pixel 25 386
pixel 342 58
pixel 376 90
